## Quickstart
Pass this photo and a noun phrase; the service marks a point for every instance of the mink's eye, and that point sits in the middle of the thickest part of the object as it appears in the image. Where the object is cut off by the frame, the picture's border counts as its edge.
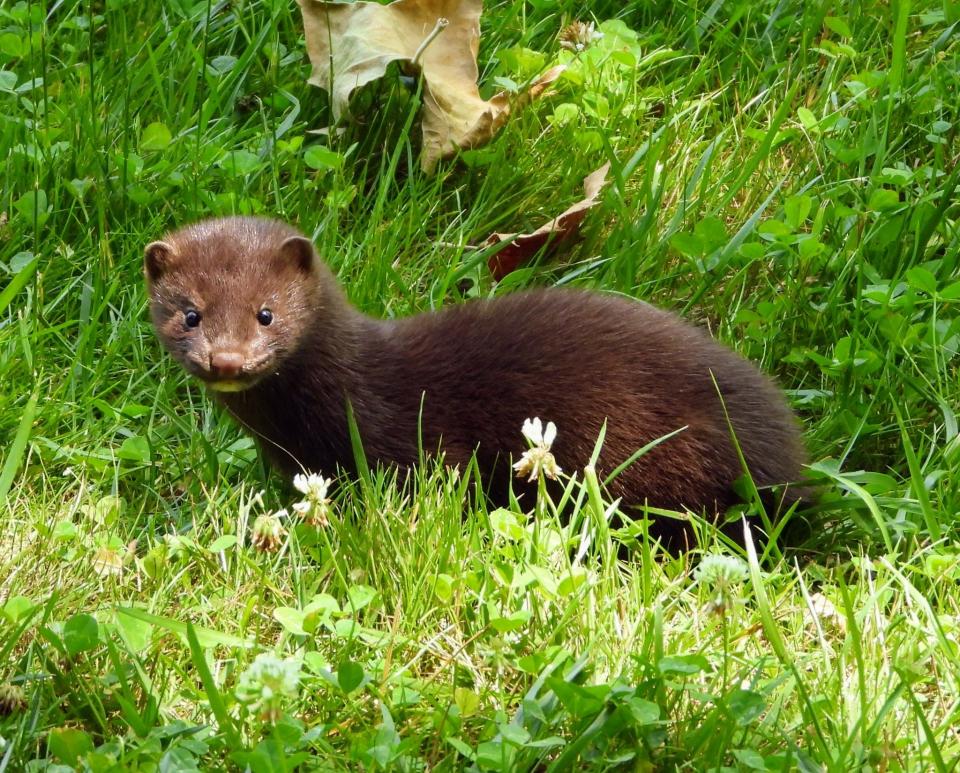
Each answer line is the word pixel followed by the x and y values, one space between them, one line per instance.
pixel 192 317
pixel 264 317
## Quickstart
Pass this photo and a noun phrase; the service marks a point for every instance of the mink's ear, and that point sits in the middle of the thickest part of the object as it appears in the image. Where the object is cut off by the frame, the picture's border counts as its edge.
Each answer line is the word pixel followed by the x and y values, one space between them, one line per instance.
pixel 158 257
pixel 300 252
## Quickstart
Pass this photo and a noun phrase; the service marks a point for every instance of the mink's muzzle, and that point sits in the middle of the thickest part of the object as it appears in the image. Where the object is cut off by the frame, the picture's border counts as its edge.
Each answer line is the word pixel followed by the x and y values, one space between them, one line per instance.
pixel 227 363
pixel 228 371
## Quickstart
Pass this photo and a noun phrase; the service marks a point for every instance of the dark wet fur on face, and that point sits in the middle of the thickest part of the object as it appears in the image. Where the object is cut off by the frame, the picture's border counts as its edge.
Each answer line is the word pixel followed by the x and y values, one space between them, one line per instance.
pixel 473 372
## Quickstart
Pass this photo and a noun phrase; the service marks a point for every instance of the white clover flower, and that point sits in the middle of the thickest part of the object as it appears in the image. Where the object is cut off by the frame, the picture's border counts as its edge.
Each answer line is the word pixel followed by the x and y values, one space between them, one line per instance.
pixel 538 460
pixel 579 35
pixel 316 507
pixel 12 700
pixel 715 569
pixel 313 486
pixel 268 532
pixel 174 543
pixel 724 574
pixel 267 683
pixel 312 512
pixel 533 431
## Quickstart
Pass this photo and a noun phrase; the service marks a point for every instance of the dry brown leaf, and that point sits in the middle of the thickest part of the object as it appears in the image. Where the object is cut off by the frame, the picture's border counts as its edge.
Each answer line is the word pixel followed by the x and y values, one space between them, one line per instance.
pixel 351 44
pixel 449 126
pixel 552 233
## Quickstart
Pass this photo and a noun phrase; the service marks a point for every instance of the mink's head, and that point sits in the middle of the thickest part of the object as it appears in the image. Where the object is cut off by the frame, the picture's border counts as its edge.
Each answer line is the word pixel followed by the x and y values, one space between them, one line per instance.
pixel 231 298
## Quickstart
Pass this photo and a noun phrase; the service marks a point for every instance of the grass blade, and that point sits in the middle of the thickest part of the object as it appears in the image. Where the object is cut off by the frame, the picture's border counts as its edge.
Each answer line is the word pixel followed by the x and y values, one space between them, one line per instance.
pixel 917 480
pixel 217 706
pixel 17 448
pixel 17 283
pixel 207 637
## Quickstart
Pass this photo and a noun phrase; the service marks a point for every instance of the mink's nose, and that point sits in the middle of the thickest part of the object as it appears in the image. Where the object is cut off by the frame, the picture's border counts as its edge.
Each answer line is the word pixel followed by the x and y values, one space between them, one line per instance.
pixel 226 364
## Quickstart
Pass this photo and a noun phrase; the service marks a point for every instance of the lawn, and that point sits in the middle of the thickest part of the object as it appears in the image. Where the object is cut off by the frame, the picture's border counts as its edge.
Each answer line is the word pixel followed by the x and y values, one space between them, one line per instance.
pixel 783 173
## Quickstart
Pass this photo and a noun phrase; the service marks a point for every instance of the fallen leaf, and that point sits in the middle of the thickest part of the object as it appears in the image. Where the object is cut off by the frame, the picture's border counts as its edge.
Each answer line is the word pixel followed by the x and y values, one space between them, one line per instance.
pixel 449 126
pixel 351 44
pixel 566 225
pixel 822 609
pixel 107 561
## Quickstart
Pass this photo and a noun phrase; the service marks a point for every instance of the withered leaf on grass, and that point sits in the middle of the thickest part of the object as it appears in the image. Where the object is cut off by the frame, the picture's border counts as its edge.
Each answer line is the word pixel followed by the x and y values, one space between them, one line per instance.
pixel 351 44
pixel 522 247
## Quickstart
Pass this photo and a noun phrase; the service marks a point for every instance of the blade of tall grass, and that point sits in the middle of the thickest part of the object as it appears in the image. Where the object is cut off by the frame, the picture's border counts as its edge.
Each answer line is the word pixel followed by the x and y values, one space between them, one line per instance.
pixel 18 447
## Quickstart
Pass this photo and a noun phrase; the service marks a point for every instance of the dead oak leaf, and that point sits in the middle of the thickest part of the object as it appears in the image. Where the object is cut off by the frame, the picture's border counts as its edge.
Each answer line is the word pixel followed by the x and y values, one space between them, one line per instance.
pixel 522 247
pixel 351 44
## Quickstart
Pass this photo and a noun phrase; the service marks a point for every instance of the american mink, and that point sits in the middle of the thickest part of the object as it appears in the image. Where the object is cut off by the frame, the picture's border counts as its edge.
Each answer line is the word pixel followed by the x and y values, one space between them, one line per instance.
pixel 247 306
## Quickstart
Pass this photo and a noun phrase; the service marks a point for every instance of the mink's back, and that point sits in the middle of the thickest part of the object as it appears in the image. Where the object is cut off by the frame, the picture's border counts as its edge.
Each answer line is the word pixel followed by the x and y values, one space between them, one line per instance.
pixel 579 359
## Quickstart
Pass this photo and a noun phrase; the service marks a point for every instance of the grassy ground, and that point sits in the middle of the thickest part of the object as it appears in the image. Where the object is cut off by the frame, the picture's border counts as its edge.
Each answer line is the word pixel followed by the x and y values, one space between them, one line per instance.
pixel 784 173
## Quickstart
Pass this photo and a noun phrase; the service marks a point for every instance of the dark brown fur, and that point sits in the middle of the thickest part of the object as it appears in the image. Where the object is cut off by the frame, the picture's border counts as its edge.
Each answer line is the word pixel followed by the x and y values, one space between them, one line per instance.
pixel 471 373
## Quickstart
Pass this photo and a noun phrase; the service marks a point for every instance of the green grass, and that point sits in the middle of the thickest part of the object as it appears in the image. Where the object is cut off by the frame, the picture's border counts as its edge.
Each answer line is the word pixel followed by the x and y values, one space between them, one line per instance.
pixel 783 176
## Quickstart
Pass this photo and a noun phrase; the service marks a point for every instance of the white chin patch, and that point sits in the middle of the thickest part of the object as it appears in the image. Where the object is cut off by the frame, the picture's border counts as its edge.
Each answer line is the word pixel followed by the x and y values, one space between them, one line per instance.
pixel 228 386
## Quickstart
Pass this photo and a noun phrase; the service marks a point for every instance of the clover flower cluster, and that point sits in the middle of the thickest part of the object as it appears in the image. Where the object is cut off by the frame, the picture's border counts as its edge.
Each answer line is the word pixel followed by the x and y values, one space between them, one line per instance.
pixel 12 700
pixel 268 531
pixel 538 460
pixel 267 683
pixel 723 575
pixel 578 36
pixel 315 507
